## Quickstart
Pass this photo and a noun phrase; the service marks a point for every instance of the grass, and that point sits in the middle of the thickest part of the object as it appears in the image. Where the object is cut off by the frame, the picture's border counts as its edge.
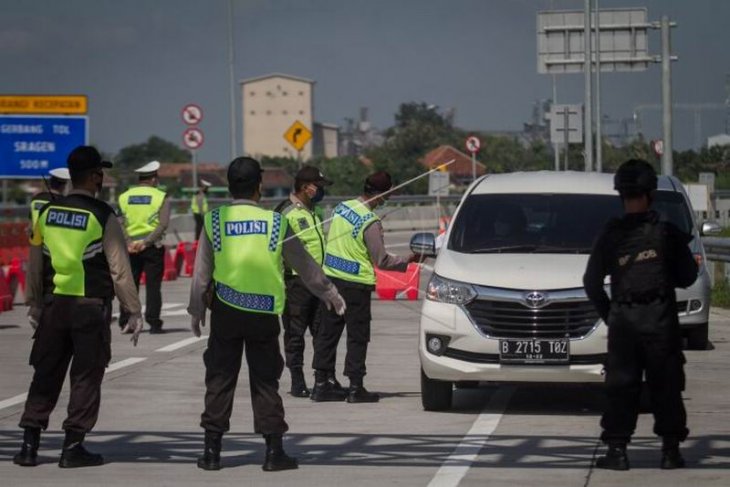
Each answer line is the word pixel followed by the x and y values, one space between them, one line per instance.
pixel 721 294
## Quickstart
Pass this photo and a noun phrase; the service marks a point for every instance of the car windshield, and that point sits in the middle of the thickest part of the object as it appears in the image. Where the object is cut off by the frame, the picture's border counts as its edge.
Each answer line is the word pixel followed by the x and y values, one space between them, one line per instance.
pixel 546 223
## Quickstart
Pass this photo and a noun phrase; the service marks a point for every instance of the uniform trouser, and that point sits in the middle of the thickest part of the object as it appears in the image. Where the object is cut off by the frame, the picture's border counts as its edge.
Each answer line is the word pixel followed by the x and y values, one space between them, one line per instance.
pixel 199 219
pixel 644 339
pixel 357 321
pixel 151 261
pixel 300 314
pixel 71 330
pixel 231 333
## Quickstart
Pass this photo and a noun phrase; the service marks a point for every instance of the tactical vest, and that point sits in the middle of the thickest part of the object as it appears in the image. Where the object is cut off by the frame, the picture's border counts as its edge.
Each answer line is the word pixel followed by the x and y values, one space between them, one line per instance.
pixel 199 209
pixel 140 206
pixel 639 265
pixel 307 226
pixel 347 256
pixel 71 230
pixel 248 267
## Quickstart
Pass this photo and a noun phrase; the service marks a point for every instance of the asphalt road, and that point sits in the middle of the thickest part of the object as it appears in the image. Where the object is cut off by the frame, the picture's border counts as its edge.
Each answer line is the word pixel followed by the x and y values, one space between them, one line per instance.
pixel 509 435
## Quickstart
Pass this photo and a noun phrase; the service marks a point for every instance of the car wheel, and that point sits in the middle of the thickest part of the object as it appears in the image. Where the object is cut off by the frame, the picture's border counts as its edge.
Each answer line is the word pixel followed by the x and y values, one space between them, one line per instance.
pixel 697 337
pixel 435 394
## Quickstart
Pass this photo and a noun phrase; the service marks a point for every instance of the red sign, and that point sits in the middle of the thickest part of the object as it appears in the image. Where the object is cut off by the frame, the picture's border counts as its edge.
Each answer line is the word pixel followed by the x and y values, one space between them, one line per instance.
pixel 193 138
pixel 473 144
pixel 192 114
pixel 658 147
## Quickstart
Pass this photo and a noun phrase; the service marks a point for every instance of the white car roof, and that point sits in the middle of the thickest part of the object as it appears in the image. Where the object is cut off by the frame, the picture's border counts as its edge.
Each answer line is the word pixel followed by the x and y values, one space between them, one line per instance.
pixel 566 182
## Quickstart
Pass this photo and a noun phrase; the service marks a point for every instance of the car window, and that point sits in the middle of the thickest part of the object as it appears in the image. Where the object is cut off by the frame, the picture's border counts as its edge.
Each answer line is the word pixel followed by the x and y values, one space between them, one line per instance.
pixel 527 223
pixel 672 207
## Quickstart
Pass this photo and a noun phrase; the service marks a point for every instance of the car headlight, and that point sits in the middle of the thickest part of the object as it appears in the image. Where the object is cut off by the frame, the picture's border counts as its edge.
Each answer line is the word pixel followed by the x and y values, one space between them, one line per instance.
pixel 451 292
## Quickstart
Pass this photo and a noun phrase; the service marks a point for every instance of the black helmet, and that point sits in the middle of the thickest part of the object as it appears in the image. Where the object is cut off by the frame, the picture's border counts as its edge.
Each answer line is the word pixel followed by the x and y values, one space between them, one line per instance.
pixel 635 176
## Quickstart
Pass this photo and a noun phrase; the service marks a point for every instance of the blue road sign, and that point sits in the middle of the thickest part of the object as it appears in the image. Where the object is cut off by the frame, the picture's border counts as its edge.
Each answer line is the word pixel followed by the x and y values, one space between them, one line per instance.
pixel 30 146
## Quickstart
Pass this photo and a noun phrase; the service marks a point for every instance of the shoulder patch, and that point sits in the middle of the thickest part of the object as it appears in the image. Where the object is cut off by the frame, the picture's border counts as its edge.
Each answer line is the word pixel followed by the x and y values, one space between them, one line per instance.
pixel 303 223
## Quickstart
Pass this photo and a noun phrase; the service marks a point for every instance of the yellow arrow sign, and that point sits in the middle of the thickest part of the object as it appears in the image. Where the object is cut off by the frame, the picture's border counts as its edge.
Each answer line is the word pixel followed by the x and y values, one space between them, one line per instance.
pixel 298 135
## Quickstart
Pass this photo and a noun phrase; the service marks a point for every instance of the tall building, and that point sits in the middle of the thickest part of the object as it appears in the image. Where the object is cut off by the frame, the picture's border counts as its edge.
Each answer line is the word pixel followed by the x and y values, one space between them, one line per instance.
pixel 271 104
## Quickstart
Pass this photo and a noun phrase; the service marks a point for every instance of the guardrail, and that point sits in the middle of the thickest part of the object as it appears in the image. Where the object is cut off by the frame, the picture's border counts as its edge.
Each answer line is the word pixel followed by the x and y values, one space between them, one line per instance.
pixel 717 248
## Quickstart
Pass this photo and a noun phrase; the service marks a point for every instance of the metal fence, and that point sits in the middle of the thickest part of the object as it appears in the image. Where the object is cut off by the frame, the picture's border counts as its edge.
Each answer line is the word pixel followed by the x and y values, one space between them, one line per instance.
pixel 717 248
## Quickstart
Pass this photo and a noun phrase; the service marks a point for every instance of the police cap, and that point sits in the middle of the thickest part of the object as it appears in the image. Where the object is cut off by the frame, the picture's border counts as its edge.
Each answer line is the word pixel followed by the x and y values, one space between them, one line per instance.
pixel 378 182
pixel 635 176
pixel 85 157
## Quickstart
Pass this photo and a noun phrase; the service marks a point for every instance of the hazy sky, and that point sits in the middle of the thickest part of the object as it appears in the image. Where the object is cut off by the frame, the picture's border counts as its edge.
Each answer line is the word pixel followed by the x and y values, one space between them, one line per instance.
pixel 140 61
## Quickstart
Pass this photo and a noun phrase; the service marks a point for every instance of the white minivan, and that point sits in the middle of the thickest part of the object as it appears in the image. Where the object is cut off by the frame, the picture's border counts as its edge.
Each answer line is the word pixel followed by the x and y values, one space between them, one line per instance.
pixel 506 300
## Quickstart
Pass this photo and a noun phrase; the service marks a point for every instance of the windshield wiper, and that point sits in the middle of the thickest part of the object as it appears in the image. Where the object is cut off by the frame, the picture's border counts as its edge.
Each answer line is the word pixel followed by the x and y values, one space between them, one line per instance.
pixel 506 248
pixel 555 249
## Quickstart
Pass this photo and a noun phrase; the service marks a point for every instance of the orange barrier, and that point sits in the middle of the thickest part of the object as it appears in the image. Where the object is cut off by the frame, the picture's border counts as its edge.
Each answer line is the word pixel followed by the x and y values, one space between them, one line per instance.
pixel 444 224
pixel 16 275
pixel 6 297
pixel 168 274
pixel 392 285
pixel 185 258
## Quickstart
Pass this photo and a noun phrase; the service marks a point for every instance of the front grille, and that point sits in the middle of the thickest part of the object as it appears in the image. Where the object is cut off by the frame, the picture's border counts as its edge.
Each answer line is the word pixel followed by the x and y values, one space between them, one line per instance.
pixel 505 319
pixel 682 306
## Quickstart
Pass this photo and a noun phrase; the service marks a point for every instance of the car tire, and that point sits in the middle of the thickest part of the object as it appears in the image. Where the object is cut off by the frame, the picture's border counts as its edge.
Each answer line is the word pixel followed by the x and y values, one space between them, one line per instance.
pixel 435 394
pixel 697 337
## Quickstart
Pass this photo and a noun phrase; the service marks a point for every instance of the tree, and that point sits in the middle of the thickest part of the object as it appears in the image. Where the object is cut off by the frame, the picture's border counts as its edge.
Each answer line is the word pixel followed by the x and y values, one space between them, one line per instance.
pixel 155 148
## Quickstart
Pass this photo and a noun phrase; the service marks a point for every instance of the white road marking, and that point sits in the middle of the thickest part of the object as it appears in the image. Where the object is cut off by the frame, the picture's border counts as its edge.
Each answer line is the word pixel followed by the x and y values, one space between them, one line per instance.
pixel 125 363
pixel 459 462
pixel 182 343
pixel 13 400
pixel 115 366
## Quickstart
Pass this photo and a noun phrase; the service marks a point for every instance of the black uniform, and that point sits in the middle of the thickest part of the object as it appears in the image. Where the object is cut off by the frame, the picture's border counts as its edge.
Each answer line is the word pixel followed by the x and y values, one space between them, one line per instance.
pixel 646 259
pixel 72 327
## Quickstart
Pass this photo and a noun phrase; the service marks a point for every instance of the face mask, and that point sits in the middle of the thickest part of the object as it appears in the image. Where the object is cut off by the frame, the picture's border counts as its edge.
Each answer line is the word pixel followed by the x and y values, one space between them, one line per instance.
pixel 318 196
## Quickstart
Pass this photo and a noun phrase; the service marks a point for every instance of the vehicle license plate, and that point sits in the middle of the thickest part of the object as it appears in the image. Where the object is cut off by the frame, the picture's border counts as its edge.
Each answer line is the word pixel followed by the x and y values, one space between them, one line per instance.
pixel 534 351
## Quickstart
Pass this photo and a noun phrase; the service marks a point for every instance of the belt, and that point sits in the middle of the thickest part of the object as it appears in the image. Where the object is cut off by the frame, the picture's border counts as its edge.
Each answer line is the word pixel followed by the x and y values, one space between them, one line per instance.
pixel 50 298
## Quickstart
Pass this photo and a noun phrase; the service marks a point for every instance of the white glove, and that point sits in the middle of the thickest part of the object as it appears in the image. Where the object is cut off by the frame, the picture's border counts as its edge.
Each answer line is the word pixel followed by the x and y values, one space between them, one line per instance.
pixel 195 324
pixel 134 326
pixel 336 303
pixel 34 316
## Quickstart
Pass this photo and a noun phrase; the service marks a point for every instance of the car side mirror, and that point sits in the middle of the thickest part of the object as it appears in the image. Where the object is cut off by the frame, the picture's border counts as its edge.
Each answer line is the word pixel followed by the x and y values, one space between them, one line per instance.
pixel 711 228
pixel 424 244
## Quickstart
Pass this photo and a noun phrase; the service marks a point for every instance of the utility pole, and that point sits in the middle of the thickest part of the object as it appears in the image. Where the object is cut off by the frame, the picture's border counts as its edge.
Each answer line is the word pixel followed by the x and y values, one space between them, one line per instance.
pixel 599 141
pixel 231 81
pixel 667 160
pixel 588 104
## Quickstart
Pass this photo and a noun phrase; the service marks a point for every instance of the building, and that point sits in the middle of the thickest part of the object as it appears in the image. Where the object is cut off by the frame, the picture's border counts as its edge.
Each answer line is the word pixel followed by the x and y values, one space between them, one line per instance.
pixel 718 140
pixel 326 139
pixel 357 136
pixel 271 104
pixel 460 171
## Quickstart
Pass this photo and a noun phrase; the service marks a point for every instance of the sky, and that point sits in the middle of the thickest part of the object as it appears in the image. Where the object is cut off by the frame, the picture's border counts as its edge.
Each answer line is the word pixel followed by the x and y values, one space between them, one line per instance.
pixel 141 61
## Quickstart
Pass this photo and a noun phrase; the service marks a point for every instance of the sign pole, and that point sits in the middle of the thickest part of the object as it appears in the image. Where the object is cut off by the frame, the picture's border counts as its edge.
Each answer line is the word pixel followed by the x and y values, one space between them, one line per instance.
pixel 599 145
pixel 587 68
pixel 667 162
pixel 556 148
pixel 473 167
pixel 195 169
pixel 566 132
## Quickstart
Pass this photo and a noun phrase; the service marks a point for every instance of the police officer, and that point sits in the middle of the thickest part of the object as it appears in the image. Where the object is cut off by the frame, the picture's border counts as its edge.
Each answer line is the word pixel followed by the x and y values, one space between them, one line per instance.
pixel 300 312
pixel 354 247
pixel 199 206
pixel 146 213
pixel 59 177
pixel 646 259
pixel 78 262
pixel 240 267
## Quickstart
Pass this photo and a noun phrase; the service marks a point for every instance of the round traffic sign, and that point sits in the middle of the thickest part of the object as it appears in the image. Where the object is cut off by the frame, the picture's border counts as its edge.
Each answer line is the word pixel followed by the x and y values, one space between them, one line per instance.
pixel 473 144
pixel 193 138
pixel 192 114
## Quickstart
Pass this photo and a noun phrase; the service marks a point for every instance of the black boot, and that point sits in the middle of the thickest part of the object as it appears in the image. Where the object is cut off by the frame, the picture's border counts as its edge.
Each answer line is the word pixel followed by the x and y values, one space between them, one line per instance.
pixel 615 458
pixel 671 457
pixel 276 457
pixel 74 455
pixel 358 393
pixel 298 384
pixel 326 388
pixel 211 459
pixel 28 454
